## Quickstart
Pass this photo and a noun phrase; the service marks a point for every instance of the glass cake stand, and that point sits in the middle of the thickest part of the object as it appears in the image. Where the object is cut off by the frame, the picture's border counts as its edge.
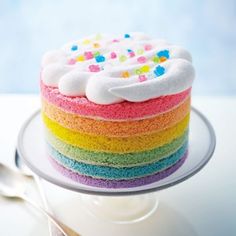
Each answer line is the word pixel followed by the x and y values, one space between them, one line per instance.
pixel 123 205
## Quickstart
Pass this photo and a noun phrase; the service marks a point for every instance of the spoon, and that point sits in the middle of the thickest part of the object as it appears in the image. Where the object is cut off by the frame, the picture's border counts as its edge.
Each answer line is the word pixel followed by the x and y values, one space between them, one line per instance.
pixel 12 186
pixel 24 170
pixel 21 167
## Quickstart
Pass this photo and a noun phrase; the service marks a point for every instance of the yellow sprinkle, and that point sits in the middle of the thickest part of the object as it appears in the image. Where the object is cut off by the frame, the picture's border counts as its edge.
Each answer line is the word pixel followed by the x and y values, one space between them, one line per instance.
pixel 96 45
pixel 145 68
pixel 80 58
pixel 138 71
pixel 140 51
pixel 125 74
pixel 86 41
pixel 122 58
pixel 98 37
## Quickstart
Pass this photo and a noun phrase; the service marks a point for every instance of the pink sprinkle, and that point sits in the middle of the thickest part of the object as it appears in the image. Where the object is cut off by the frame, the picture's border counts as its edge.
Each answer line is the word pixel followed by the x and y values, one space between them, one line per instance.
pixel 148 47
pixel 88 55
pixel 94 68
pixel 142 59
pixel 115 40
pixel 131 54
pixel 72 61
pixel 113 55
pixel 142 78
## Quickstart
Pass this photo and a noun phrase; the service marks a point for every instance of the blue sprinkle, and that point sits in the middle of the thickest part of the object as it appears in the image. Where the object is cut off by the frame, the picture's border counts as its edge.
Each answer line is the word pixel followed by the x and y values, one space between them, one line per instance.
pixel 129 50
pixel 74 48
pixel 100 58
pixel 127 36
pixel 159 70
pixel 164 53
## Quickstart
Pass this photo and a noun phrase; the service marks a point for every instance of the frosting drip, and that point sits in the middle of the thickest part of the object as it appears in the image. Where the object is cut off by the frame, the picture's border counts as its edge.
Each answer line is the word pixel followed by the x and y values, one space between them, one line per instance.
pixel 108 69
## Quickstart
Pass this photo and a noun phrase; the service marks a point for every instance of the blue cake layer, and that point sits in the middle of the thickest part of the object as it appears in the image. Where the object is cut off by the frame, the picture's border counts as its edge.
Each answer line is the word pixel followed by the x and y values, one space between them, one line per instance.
pixel 106 172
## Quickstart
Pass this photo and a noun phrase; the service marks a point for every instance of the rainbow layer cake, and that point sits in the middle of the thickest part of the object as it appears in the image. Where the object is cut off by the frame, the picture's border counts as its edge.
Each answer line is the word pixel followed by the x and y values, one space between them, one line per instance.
pixel 116 109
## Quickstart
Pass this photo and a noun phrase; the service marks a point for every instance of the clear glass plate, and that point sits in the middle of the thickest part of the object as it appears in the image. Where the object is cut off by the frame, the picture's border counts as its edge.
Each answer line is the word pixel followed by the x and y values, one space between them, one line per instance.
pixel 31 147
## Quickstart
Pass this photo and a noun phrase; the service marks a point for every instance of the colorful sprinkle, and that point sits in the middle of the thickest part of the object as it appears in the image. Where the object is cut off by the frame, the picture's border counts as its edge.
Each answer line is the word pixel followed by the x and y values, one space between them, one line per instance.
pixel 145 69
pixel 159 70
pixel 147 47
pixel 156 59
pixel 122 58
pixel 163 53
pixel 113 55
pixel 140 51
pixel 126 36
pixel 74 48
pixel 129 50
pixel 86 41
pixel 138 72
pixel 88 55
pixel 72 61
pixel 162 59
pixel 96 54
pixel 115 40
pixel 96 45
pixel 98 37
pixel 125 74
pixel 141 59
pixel 131 54
pixel 100 58
pixel 94 68
pixel 80 58
pixel 142 78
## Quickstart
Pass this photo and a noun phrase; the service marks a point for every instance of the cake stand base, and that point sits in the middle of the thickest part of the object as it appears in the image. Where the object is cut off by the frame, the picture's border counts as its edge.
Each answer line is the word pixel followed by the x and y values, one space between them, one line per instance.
pixel 123 209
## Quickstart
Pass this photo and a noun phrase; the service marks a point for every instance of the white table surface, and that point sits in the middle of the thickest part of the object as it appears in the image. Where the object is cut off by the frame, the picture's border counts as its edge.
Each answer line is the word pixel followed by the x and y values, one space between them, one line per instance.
pixel 204 204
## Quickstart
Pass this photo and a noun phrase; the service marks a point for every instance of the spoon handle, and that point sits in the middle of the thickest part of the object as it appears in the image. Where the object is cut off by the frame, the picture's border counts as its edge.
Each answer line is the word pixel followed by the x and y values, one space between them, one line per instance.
pixel 67 231
pixel 53 231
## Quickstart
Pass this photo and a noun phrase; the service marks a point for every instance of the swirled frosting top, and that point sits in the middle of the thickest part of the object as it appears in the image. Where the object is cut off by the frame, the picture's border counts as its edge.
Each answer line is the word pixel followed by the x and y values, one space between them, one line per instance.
pixel 109 69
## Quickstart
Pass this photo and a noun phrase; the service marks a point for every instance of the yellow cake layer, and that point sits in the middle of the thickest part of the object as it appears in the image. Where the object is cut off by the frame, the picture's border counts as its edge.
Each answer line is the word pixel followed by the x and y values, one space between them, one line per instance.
pixel 116 144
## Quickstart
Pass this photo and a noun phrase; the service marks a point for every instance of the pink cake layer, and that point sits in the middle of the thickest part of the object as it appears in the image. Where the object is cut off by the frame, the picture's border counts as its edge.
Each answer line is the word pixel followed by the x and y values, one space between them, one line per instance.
pixel 119 111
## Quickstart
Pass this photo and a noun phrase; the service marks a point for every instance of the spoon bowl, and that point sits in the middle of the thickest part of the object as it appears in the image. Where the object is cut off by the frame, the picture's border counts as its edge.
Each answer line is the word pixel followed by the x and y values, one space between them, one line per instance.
pixel 13 184
pixel 6 192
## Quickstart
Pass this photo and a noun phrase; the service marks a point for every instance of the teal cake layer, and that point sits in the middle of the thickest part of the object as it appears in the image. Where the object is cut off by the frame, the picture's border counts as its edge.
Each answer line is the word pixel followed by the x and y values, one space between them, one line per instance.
pixel 106 172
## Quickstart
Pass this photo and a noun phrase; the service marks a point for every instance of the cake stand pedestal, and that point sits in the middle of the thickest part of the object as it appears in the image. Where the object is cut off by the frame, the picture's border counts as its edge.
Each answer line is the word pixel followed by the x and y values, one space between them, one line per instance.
pixel 122 209
pixel 124 205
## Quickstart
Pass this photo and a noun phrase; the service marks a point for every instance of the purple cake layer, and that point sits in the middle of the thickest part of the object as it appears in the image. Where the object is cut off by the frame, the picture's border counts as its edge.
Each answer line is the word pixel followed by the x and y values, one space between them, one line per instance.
pixel 102 183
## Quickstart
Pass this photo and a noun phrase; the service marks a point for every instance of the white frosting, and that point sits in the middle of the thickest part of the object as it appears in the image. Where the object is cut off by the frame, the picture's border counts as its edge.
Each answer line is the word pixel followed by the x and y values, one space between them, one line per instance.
pixel 108 86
